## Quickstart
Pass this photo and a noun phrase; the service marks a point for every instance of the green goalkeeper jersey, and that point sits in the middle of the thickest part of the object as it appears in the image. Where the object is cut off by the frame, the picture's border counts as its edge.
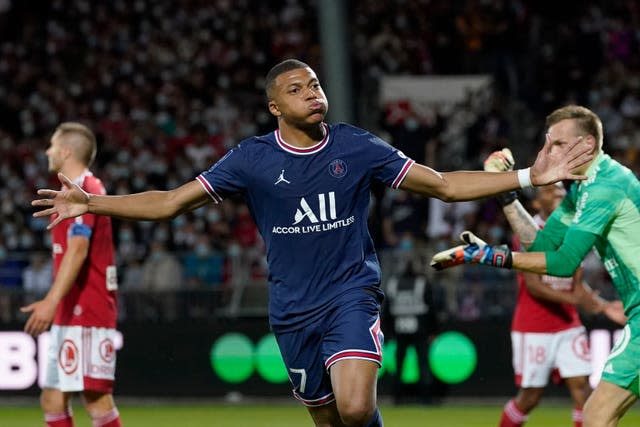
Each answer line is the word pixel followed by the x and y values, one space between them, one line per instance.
pixel 602 212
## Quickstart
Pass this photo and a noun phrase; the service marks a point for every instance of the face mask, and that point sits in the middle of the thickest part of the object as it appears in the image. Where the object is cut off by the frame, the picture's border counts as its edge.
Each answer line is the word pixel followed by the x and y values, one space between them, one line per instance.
pixel 234 250
pixel 202 250
pixel 125 236
pixel 411 124
pixel 178 221
pixel 406 244
pixel 213 216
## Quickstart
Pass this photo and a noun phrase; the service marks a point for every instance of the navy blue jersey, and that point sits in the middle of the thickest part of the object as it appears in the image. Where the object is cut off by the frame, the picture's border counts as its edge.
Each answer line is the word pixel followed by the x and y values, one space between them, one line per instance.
pixel 311 207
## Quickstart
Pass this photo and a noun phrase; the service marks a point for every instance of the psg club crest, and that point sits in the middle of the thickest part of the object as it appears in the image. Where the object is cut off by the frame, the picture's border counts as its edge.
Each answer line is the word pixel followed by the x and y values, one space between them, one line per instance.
pixel 68 357
pixel 338 168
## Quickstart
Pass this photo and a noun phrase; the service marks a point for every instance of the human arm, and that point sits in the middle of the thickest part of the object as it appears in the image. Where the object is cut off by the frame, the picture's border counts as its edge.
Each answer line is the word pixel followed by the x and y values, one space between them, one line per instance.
pixel 72 201
pixel 43 311
pixel 522 223
pixel 545 257
pixel 550 166
pixel 580 295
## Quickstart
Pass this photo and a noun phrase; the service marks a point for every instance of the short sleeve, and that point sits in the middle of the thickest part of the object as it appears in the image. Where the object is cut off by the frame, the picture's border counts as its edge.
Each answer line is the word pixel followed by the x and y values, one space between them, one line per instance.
pixel 226 177
pixel 389 164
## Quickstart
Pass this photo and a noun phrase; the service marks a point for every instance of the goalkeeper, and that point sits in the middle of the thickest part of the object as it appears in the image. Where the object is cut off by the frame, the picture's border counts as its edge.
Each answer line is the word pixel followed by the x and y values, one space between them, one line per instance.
pixel 601 212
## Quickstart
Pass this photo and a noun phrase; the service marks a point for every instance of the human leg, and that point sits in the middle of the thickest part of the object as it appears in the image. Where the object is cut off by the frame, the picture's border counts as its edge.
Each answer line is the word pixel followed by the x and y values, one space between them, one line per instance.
pixel 607 404
pixel 350 332
pixel 56 406
pixel 303 358
pixel 352 346
pixel 515 411
pixel 55 398
pixel 354 386
pixel 528 398
pixel 619 386
pixel 533 355
pixel 580 390
pixel 326 415
pixel 101 409
pixel 574 366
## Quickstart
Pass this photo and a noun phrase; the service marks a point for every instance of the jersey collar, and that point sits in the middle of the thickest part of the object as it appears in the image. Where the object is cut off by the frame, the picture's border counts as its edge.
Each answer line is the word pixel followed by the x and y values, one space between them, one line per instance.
pixel 80 180
pixel 594 166
pixel 307 150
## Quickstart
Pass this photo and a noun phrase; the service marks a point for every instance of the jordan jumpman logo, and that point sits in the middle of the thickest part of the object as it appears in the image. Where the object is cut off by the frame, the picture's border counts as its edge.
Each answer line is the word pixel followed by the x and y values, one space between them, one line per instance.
pixel 281 178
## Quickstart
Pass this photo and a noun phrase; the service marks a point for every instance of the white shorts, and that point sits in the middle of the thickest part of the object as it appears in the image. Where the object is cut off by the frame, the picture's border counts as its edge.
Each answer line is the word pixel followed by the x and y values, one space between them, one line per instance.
pixel 536 355
pixel 81 358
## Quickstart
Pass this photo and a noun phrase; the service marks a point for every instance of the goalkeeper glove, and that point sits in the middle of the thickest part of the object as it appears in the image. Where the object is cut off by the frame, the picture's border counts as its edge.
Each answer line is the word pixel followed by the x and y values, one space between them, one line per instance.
pixel 476 251
pixel 501 161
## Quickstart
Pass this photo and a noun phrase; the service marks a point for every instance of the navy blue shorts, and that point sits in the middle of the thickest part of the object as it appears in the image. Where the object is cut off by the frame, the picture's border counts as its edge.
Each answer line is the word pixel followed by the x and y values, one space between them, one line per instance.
pixel 349 330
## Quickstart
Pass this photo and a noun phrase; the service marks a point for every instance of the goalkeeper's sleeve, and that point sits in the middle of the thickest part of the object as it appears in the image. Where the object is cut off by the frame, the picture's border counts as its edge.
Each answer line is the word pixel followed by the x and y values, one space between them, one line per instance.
pixel 564 260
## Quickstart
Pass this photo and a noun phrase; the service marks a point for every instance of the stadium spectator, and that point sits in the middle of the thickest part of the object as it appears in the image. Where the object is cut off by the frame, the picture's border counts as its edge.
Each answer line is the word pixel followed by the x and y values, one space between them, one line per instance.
pixel 142 117
pixel 404 220
pixel 282 175
pixel 601 212
pixel 162 276
pixel 145 103
pixel 36 278
pixel 8 285
pixel 203 266
pixel 80 305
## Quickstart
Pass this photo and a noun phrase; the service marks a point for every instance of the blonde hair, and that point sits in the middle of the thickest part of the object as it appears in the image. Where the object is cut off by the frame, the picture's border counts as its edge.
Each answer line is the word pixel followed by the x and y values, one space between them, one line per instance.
pixel 586 120
pixel 85 147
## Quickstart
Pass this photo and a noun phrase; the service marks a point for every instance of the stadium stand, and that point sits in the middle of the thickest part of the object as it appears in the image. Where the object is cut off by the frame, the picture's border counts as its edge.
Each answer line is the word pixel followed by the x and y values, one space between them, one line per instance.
pixel 170 87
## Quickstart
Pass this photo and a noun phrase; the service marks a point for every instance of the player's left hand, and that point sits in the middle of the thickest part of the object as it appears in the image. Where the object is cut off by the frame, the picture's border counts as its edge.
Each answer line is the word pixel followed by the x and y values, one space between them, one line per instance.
pixel 614 310
pixel 556 161
pixel 42 313
pixel 475 251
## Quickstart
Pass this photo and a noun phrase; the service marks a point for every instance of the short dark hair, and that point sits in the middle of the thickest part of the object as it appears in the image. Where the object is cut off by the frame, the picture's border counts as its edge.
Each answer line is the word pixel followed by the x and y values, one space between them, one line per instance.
pixel 282 67
pixel 84 151
pixel 586 120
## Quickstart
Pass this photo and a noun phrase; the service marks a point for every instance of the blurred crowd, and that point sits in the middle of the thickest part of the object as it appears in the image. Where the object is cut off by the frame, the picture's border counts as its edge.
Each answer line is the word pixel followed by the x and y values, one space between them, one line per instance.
pixel 169 87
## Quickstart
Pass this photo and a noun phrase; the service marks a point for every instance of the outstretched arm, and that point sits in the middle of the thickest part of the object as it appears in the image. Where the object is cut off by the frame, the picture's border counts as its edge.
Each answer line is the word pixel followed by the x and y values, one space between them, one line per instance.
pixel 562 262
pixel 72 201
pixel 458 186
pixel 550 166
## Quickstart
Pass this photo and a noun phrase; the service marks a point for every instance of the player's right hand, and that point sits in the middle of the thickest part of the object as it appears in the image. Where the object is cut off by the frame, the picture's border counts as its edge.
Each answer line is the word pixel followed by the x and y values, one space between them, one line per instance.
pixel 476 251
pixel 70 202
pixel 42 313
pixel 499 161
